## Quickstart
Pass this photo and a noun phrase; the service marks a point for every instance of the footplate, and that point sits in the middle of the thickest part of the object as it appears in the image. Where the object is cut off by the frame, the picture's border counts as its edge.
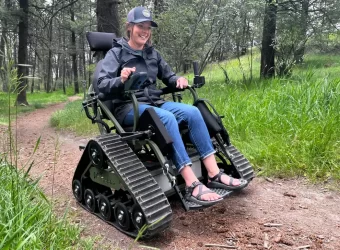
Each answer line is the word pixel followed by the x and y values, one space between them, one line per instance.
pixel 194 206
pixel 241 164
pixel 222 192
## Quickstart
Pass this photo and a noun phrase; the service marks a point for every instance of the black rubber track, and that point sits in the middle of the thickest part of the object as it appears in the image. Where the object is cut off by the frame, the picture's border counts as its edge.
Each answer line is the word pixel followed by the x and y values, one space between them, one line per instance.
pixel 137 181
pixel 240 163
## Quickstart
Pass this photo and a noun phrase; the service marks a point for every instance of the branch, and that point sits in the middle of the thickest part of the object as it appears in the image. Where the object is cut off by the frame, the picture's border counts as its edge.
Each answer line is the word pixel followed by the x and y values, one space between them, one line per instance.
pixel 55 13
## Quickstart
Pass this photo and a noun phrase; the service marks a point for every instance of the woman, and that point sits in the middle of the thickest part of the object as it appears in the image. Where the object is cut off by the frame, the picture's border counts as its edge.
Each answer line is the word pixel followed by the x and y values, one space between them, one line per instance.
pixel 135 54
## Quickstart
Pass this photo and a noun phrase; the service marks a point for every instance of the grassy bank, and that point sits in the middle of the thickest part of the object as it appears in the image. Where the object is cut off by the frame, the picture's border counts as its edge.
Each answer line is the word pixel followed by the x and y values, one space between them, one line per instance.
pixel 74 119
pixel 285 127
pixel 36 100
pixel 26 218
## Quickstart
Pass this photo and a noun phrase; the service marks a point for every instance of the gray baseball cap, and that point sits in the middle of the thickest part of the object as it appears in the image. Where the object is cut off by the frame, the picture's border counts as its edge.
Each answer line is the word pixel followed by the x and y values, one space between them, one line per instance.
pixel 140 14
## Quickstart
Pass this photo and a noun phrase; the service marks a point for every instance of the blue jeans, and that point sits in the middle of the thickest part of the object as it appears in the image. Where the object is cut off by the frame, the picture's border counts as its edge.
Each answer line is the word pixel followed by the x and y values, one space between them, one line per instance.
pixel 173 113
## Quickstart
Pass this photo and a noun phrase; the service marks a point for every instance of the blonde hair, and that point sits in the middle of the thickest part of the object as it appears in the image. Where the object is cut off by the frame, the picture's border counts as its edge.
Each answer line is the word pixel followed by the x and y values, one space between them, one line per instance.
pixel 129 28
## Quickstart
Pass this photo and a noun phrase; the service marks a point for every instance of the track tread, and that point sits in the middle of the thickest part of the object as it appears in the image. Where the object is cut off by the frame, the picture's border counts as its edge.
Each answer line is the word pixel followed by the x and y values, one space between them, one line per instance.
pixel 138 181
pixel 240 162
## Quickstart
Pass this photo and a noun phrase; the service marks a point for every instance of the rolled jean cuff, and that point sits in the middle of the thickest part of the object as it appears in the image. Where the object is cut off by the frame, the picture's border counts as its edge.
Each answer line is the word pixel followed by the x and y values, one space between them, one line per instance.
pixel 181 166
pixel 208 154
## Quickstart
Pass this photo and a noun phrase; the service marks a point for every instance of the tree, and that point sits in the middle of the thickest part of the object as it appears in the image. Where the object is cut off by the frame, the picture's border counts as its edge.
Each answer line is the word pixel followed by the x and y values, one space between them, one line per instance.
pixel 299 53
pixel 49 59
pixel 3 50
pixel 159 7
pixel 22 53
pixel 108 17
pixel 268 38
pixel 74 54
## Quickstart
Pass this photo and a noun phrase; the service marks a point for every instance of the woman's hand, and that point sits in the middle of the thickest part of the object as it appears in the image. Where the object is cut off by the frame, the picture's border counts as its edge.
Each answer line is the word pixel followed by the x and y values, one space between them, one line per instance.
pixel 182 83
pixel 125 73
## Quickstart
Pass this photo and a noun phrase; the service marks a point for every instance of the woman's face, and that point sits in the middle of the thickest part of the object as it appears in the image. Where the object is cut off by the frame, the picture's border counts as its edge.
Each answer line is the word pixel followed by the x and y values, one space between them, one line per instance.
pixel 140 34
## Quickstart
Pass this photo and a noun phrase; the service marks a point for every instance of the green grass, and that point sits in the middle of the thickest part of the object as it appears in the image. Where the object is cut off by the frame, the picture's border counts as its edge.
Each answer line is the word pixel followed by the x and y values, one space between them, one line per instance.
pixel 36 100
pixel 285 127
pixel 27 220
pixel 73 118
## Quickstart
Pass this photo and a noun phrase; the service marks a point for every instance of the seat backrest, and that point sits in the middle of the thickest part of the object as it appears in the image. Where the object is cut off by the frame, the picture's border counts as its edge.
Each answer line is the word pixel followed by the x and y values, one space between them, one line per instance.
pixel 100 41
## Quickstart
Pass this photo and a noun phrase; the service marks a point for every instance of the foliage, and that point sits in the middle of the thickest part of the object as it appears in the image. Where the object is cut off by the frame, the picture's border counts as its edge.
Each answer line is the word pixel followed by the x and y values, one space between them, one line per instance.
pixel 203 30
pixel 285 127
pixel 195 30
pixel 26 219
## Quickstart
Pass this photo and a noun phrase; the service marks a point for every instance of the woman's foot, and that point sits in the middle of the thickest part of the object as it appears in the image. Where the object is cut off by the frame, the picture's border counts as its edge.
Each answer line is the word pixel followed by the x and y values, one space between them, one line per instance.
pixel 200 194
pixel 217 179
pixel 221 180
pixel 196 191
pixel 205 193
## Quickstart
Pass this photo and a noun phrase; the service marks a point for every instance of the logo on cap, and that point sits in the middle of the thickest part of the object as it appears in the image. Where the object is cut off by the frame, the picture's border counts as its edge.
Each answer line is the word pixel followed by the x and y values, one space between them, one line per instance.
pixel 146 13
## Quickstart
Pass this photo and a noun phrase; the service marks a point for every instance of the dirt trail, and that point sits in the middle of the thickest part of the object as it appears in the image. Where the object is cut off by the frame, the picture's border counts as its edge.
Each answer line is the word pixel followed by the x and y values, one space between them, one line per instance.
pixel 269 214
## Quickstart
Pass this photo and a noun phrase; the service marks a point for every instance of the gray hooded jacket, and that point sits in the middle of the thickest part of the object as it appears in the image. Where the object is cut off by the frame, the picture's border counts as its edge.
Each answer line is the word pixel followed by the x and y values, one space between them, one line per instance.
pixel 147 60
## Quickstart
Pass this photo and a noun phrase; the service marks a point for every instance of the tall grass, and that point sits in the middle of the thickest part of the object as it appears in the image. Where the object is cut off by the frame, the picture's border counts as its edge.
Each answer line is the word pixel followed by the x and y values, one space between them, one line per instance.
pixel 285 127
pixel 26 218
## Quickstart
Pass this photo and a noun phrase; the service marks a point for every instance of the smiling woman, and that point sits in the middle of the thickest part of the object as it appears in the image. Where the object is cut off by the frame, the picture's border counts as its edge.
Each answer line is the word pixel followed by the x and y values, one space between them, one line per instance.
pixel 138 27
pixel 140 34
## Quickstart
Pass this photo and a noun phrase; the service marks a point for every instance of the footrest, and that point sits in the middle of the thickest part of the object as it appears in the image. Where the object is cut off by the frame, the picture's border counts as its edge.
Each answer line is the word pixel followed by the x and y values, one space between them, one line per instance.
pixel 194 206
pixel 221 192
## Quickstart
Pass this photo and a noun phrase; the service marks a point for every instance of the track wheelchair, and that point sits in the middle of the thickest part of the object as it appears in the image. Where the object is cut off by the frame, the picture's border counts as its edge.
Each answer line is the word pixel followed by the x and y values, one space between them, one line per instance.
pixel 125 175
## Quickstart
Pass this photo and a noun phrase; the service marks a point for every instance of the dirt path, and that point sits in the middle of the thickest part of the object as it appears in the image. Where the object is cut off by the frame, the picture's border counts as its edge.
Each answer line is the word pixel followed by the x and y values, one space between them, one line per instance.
pixel 296 213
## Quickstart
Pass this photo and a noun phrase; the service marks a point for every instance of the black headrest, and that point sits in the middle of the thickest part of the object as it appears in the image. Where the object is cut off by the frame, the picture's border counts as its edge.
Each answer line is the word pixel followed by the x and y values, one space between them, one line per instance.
pixel 100 41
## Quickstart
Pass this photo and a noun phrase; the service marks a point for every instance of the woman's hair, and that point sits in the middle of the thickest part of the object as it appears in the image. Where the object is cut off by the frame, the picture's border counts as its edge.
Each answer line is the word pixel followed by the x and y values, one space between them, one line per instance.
pixel 129 28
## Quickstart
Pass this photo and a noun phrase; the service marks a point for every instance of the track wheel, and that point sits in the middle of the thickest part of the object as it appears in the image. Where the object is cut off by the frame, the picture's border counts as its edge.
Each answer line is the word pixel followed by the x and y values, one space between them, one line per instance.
pixel 90 200
pixel 77 189
pixel 95 153
pixel 122 216
pixel 105 208
pixel 137 216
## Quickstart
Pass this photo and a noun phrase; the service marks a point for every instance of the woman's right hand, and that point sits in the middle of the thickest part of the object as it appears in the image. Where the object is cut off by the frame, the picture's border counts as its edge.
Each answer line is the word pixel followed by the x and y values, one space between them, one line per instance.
pixel 125 73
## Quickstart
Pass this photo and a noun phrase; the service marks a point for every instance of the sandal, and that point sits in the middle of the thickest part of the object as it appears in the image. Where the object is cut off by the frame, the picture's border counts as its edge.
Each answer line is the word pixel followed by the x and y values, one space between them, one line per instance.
pixel 197 198
pixel 215 182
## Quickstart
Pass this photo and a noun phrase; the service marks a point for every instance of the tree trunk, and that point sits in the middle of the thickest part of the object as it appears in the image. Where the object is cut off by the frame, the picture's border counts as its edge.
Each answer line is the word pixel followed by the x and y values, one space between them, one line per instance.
pixel 33 71
pixel 22 53
pixel 64 74
pixel 300 52
pixel 3 50
pixel 268 40
pixel 158 7
pixel 74 55
pixel 84 58
pixel 49 81
pixel 3 61
pixel 107 16
pixel 49 71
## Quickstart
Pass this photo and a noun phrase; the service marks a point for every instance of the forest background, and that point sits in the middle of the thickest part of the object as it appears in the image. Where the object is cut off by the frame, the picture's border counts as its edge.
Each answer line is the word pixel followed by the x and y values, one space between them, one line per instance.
pixel 272 68
pixel 50 35
pixel 281 107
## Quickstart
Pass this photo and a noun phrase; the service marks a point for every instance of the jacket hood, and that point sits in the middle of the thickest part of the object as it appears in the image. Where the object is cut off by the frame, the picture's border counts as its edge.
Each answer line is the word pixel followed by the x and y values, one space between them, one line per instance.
pixel 123 44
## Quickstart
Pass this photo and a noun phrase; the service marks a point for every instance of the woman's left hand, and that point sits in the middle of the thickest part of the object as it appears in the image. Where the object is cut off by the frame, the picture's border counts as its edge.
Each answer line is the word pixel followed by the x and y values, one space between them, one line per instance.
pixel 182 83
